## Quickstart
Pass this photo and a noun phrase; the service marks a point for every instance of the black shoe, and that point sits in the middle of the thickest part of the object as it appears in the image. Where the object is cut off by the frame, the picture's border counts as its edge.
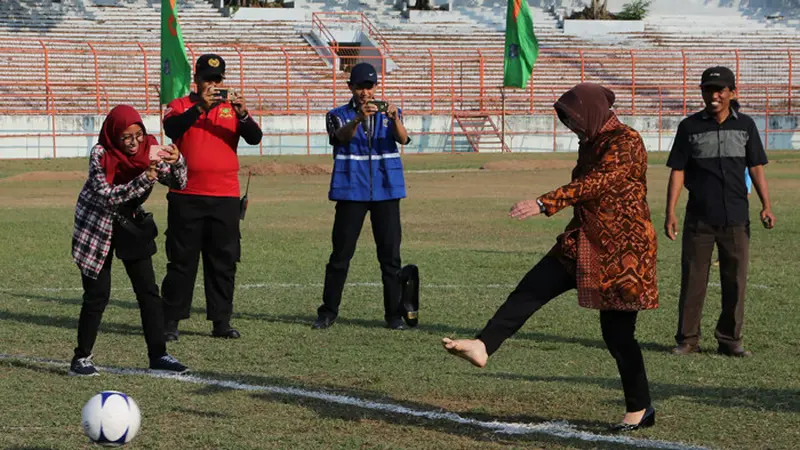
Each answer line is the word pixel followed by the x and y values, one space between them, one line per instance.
pixel 171 330
pixel 83 367
pixel 167 364
pixel 396 323
pixel 648 420
pixel 224 330
pixel 323 322
pixel 737 352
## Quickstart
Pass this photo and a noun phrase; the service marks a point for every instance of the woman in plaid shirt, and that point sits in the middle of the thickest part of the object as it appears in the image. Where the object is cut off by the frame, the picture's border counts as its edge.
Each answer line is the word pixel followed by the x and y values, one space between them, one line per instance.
pixel 109 218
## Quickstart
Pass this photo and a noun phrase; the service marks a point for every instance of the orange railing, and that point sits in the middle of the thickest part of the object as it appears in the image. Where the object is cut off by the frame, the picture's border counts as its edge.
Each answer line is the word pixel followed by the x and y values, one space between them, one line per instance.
pixel 83 78
pixel 319 20
pixel 69 78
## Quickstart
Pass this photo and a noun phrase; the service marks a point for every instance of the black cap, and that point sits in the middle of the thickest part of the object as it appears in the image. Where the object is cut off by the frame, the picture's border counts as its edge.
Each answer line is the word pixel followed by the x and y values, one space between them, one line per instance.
pixel 208 66
pixel 718 76
pixel 363 73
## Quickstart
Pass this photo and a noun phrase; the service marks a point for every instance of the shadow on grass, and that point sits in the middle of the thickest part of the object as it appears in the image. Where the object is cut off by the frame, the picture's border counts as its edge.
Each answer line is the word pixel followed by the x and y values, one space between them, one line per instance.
pixel 430 328
pixel 778 400
pixel 37 367
pixel 29 448
pixel 79 301
pixel 443 330
pixel 71 323
pixel 201 414
pixel 356 413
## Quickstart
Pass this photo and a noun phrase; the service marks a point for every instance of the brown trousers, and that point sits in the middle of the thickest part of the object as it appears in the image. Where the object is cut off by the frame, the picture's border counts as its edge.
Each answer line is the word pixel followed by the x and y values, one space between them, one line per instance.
pixel 733 243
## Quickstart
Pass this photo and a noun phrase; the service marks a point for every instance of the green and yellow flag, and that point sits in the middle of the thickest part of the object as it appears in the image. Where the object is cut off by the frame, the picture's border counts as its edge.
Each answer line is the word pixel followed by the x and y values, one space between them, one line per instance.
pixel 522 48
pixel 176 72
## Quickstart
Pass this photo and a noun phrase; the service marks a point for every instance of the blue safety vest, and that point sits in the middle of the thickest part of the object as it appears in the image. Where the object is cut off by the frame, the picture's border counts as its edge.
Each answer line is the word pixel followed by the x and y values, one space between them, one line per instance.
pixel 368 168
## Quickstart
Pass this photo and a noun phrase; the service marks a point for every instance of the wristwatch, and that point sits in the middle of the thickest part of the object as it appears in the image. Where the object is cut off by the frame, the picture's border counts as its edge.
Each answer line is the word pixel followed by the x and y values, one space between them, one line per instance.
pixel 541 205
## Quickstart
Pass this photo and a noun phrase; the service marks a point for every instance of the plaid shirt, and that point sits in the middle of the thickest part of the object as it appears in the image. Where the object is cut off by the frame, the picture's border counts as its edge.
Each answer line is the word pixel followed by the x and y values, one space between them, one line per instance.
pixel 97 207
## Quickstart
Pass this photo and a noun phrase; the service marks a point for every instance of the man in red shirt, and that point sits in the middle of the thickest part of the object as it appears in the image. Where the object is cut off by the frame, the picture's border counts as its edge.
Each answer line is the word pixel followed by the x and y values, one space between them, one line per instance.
pixel 204 217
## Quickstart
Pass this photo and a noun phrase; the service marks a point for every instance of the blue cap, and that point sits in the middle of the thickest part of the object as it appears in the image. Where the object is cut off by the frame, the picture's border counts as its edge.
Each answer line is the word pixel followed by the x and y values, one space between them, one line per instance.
pixel 363 73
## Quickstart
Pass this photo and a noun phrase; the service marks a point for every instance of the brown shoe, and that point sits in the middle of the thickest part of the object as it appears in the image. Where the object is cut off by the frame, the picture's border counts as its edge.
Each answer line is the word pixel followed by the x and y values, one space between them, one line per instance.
pixel 737 352
pixel 685 349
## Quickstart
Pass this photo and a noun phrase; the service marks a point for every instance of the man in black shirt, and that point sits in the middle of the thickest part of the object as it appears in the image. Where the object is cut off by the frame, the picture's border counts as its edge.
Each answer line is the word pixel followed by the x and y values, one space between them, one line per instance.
pixel 711 151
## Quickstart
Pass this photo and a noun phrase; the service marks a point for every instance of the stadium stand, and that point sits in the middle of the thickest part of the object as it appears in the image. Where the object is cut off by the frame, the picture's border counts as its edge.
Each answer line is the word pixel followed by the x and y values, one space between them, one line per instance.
pixel 80 57
pixel 466 54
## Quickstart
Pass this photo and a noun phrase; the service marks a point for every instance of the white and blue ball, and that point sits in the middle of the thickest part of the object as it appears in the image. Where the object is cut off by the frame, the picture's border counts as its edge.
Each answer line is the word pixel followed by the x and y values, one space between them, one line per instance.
pixel 111 418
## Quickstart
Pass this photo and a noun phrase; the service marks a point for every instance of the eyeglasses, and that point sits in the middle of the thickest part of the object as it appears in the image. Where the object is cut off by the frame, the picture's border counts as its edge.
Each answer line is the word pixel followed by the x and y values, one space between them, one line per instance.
pixel 128 138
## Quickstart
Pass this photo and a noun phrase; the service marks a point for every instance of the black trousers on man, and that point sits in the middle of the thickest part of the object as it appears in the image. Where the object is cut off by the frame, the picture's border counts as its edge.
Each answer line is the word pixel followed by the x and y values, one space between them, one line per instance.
pixel 547 280
pixel 196 225
pixel 385 218
pixel 733 244
pixel 96 294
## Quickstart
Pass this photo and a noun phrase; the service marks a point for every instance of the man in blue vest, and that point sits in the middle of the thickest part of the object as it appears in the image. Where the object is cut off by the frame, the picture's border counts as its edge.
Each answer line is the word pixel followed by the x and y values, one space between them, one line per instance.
pixel 367 177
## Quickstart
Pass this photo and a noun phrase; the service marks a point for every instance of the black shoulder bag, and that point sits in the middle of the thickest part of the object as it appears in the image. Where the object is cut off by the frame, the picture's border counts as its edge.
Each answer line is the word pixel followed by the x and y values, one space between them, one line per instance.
pixel 134 237
pixel 409 292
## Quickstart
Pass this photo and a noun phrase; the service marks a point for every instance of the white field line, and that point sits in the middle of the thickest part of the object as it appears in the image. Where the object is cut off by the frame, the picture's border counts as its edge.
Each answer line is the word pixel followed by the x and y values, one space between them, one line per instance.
pixel 247 286
pixel 561 429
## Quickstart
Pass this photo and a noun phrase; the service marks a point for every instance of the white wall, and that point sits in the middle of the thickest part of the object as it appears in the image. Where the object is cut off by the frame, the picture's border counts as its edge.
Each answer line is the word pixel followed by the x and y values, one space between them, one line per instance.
pixel 42 147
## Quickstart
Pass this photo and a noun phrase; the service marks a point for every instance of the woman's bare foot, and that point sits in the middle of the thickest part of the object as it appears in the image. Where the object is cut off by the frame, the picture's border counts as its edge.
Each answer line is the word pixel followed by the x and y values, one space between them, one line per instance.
pixel 634 418
pixel 473 350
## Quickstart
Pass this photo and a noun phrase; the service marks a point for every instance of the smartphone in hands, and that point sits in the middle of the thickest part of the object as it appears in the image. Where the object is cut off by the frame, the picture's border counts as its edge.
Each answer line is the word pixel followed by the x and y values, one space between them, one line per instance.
pixel 382 106
pixel 221 94
pixel 158 152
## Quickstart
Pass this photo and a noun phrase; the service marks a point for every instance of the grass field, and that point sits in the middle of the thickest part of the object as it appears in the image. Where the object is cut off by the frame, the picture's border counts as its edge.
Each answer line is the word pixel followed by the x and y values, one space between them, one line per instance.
pixel 470 255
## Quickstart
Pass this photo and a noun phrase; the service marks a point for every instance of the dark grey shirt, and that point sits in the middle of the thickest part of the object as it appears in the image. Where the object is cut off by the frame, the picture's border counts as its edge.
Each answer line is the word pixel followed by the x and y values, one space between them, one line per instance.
pixel 714 157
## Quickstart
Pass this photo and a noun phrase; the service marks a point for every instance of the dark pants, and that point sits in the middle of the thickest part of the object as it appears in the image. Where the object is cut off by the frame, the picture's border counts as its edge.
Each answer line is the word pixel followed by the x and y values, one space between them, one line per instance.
pixel 547 280
pixel 198 225
pixel 618 329
pixel 733 243
pixel 385 218
pixel 96 294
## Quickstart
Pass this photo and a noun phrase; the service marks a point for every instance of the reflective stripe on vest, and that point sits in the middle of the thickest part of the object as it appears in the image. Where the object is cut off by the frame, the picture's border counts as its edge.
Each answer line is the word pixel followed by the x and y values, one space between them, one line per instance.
pixel 367 157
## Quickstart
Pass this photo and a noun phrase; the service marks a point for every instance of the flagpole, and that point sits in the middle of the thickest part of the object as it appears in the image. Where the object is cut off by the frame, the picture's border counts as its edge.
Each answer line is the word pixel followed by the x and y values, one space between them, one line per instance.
pixel 160 114
pixel 503 118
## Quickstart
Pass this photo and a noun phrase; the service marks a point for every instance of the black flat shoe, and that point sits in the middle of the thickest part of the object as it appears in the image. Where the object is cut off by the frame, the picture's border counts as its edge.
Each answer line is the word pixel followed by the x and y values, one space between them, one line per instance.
pixel 396 324
pixel 230 333
pixel 223 329
pixel 323 322
pixel 648 420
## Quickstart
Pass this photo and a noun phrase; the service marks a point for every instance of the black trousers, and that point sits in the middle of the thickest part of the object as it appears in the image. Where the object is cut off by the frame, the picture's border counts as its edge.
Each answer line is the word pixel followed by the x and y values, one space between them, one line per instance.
pixel 198 225
pixel 96 294
pixel 547 280
pixel 385 218
pixel 733 244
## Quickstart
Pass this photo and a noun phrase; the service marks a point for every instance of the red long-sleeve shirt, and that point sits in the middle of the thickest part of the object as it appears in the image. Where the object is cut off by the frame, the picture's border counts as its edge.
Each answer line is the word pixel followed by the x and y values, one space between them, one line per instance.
pixel 209 146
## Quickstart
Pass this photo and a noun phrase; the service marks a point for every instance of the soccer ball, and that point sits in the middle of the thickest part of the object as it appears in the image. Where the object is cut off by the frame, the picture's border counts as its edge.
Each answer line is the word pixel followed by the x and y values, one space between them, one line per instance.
pixel 111 418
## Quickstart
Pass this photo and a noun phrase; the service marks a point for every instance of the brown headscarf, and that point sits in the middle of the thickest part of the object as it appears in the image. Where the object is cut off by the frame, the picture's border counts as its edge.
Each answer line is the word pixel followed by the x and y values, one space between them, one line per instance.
pixel 587 107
